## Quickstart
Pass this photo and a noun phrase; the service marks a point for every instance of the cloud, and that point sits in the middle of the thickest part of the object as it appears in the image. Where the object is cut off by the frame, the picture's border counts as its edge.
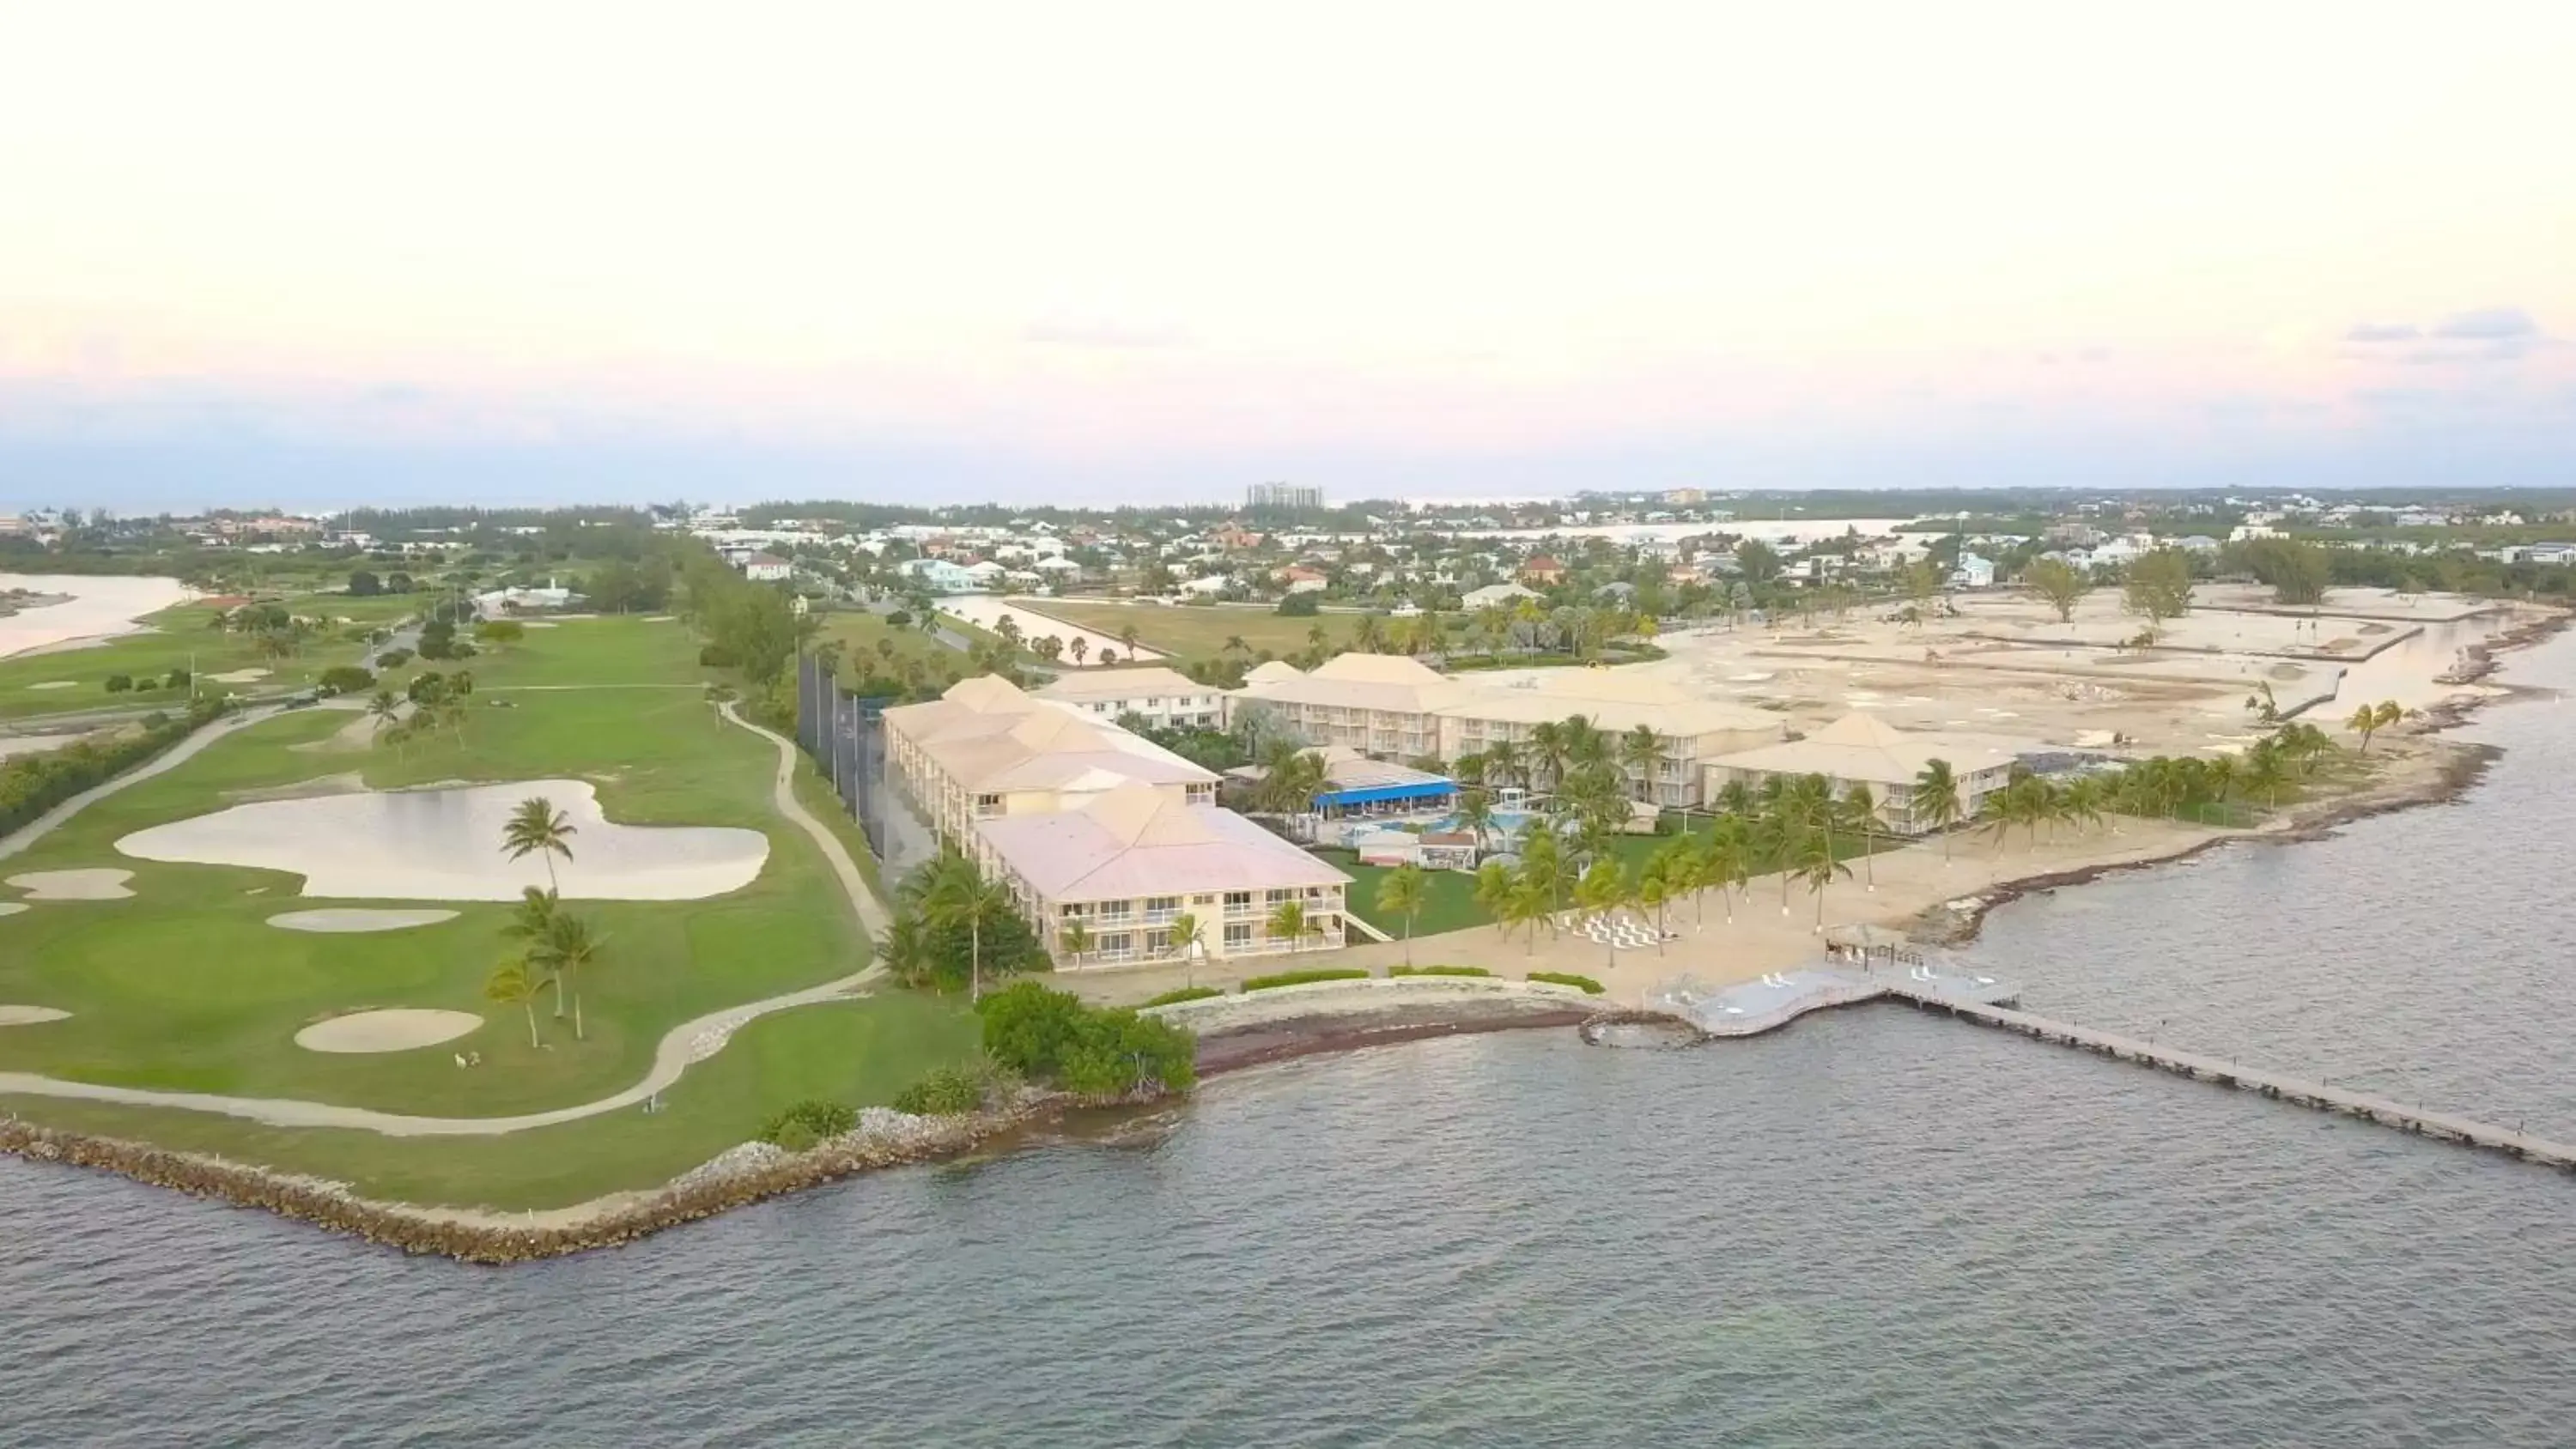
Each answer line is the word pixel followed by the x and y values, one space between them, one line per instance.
pixel 2383 332
pixel 1103 332
pixel 2487 324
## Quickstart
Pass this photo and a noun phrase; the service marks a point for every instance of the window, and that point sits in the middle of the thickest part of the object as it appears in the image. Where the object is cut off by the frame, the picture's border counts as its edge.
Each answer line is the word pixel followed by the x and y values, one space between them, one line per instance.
pixel 1278 897
pixel 1238 900
pixel 1117 943
pixel 1154 703
pixel 1238 936
pixel 1162 905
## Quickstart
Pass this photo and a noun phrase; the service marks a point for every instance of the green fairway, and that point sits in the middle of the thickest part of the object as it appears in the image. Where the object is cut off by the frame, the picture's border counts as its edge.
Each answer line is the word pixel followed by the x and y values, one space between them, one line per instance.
pixel 185 987
pixel 1198 632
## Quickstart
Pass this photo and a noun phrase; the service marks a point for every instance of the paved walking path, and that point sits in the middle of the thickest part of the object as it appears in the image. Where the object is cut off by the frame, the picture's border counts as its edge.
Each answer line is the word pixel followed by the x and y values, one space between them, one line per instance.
pixel 691 1041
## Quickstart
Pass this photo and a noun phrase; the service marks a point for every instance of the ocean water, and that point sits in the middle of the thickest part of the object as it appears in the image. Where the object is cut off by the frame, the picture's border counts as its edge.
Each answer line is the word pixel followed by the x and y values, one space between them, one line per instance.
pixel 1877 1228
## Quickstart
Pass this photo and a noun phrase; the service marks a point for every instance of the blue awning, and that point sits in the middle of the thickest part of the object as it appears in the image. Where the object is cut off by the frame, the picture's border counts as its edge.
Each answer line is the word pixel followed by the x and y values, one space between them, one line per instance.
pixel 1380 794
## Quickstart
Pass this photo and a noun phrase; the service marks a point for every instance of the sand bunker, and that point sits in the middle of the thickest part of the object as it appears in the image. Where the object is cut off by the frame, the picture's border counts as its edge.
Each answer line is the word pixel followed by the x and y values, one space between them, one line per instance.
pixel 30 1015
pixel 239 676
pixel 445 845
pixel 399 1030
pixel 11 908
pixel 57 684
pixel 358 919
pixel 74 885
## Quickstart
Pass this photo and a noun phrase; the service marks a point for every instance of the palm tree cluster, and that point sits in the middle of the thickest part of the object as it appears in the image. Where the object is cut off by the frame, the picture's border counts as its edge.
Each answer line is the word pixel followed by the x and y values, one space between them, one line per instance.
pixel 438 702
pixel 1292 776
pixel 950 893
pixel 554 946
pixel 1572 756
pixel 1531 628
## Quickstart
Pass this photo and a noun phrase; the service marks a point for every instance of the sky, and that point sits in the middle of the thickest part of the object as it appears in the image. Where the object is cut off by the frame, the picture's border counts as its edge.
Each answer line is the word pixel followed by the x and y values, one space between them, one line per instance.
pixel 322 255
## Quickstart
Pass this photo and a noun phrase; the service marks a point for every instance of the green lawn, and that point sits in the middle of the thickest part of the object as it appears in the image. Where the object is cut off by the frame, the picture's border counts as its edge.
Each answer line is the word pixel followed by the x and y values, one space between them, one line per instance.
pixel 1197 632
pixel 185 987
pixel 178 639
pixel 863 632
pixel 1449 904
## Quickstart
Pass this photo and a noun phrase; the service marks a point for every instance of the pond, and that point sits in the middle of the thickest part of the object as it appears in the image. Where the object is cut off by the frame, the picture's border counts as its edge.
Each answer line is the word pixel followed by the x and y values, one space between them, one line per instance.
pixel 445 845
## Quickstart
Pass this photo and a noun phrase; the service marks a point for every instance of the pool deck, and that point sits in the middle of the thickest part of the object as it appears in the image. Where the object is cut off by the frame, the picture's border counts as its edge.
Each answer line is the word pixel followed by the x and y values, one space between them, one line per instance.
pixel 1748 1008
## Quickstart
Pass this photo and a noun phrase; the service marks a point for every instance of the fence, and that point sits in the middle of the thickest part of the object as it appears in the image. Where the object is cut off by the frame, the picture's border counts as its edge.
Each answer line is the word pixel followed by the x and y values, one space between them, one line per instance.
pixel 845 736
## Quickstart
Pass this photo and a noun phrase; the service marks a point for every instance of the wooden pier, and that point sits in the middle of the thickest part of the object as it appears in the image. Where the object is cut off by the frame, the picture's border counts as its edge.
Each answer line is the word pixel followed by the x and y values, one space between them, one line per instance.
pixel 2320 1095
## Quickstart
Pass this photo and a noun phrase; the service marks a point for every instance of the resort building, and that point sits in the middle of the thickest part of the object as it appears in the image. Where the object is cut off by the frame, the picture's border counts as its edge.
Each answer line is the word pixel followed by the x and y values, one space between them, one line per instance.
pixel 1861 749
pixel 1393 706
pixel 1163 698
pixel 1086 822
pixel 1129 863
pixel 985 750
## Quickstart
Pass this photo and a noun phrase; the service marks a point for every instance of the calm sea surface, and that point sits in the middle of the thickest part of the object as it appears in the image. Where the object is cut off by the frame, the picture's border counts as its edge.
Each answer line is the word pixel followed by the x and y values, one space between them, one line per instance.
pixel 1877 1228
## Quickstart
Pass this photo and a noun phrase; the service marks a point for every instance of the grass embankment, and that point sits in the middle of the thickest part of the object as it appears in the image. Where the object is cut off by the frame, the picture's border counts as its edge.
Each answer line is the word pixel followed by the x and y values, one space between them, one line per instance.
pixel 1196 631
pixel 185 987
pixel 858 1052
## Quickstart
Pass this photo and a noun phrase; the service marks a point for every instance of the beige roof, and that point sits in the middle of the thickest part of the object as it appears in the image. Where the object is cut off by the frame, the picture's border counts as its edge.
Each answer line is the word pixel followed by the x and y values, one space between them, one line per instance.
pixel 1612 701
pixel 993 737
pixel 1135 842
pixel 1391 682
pixel 1122 684
pixel 1864 747
pixel 1272 671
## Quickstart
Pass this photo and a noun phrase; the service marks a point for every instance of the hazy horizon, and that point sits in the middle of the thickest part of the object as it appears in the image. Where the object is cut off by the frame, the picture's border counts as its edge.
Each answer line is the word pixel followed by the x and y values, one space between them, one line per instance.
pixel 316 257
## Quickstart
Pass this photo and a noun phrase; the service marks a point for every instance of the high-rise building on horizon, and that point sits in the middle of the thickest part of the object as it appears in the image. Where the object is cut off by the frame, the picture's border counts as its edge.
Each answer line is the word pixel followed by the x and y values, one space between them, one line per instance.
pixel 1284 495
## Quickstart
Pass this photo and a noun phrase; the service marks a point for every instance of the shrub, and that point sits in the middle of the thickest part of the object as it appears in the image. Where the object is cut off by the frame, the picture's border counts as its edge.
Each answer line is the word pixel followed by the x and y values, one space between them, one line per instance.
pixel 945 1092
pixel 119 683
pixel 347 679
pixel 805 1123
pixel 1050 1036
pixel 1186 993
pixel 1584 984
pixel 1437 971
pixel 178 679
pixel 1300 978
pixel 1301 606
pixel 715 656
pixel 393 659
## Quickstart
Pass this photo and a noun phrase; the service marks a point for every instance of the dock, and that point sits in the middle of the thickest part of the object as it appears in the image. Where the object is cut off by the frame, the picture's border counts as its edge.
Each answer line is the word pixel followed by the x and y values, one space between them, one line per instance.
pixel 1772 1001
pixel 2323 1096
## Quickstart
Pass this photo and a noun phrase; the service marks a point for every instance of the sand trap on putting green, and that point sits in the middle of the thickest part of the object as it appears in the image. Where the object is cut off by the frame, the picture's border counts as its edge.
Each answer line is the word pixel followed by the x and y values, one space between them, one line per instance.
pixel 358 919
pixel 239 676
pixel 398 1030
pixel 57 684
pixel 445 845
pixel 11 908
pixel 30 1015
pixel 74 885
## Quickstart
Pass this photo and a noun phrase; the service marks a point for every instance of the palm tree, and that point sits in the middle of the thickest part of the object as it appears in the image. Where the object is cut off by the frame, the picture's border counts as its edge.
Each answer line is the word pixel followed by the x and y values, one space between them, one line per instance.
pixel 513 983
pixel 1078 649
pixel 1529 902
pixel 1547 743
pixel 1075 938
pixel 1642 750
pixel 568 949
pixel 959 895
pixel 1234 645
pixel 1816 866
pixel 2388 713
pixel 1602 891
pixel 1936 801
pixel 385 708
pixel 1503 763
pixel 538 828
pixel 530 921
pixel 2365 723
pixel 1494 886
pixel 1401 893
pixel 906 949
pixel 1288 923
pixel 1370 635
pixel 1476 812
pixel 1860 809
pixel 1186 932
pixel 1127 636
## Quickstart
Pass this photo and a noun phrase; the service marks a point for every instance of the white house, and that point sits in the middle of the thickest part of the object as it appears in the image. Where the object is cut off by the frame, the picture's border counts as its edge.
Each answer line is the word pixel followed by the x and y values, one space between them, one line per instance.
pixel 763 568
pixel 1975 571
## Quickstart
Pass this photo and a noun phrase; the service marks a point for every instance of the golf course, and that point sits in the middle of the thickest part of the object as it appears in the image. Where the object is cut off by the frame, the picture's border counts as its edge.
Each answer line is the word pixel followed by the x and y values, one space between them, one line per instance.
pixel 301 914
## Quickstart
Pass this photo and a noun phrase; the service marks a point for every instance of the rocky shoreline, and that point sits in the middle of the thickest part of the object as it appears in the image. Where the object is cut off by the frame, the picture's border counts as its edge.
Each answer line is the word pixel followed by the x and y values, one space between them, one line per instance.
pixel 753 1172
